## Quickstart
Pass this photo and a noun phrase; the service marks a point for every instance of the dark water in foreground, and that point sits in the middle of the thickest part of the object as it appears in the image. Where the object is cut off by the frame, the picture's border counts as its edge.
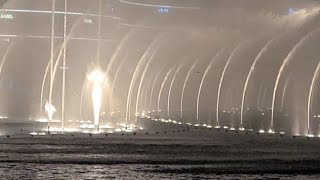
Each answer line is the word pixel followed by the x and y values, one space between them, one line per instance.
pixel 191 155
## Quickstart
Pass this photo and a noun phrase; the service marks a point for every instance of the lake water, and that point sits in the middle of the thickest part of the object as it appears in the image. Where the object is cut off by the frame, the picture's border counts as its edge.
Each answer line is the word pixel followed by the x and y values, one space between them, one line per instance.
pixel 192 155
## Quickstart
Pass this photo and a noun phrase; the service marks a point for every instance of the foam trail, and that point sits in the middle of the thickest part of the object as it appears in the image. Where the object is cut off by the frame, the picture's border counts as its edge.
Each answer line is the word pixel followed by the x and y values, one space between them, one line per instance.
pixel 315 76
pixel 134 77
pixel 284 64
pixel 202 81
pixel 184 86
pixel 222 78
pixel 142 79
pixel 285 91
pixel 153 86
pixel 253 66
pixel 170 89
pixel 162 85
pixel 114 82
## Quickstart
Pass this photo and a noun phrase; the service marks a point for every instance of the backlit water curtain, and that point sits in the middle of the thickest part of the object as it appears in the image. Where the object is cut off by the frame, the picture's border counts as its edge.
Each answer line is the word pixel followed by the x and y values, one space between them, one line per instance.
pixel 242 71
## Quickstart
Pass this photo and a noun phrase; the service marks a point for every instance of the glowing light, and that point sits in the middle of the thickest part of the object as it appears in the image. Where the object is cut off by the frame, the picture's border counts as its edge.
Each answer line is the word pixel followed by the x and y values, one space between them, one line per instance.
pixel 282 133
pixel 242 129
pixel 196 125
pixel 6 16
pixel 50 109
pixel 217 127
pixel 209 126
pixel 97 78
pixel 271 131
pixel 53 129
pixel 232 129
pixel 310 135
pixel 85 126
pixel 33 133
pixel 42 120
pixel 261 131
pixel 106 126
pixel 225 127
pixel 163 10
pixel 97 132
pixel 42 134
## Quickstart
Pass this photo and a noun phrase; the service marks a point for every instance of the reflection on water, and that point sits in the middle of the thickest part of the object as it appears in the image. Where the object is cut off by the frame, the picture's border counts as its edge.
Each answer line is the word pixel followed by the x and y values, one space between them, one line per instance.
pixel 195 156
pixel 76 171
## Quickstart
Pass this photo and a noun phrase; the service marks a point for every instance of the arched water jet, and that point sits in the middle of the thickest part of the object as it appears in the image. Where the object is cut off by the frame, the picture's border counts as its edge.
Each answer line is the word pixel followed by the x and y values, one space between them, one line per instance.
pixel 44 81
pixel 222 78
pixel 202 81
pixel 170 89
pixel 4 58
pixel 114 82
pixel 162 85
pixel 285 91
pixel 63 47
pixel 146 94
pixel 152 88
pixel 285 62
pixel 114 57
pixel 315 76
pixel 81 97
pixel 184 86
pixel 142 79
pixel 253 66
pixel 135 75
pixel 51 59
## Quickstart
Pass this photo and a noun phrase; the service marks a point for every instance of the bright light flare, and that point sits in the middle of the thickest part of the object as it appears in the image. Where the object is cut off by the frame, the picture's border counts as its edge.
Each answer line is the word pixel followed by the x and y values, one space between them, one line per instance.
pixel 97 78
pixel 50 109
pixel 261 131
pixel 271 131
